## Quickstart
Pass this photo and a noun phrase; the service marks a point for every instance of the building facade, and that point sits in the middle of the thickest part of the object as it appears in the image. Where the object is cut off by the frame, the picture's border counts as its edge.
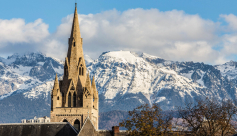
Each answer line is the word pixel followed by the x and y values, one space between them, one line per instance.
pixel 44 119
pixel 75 97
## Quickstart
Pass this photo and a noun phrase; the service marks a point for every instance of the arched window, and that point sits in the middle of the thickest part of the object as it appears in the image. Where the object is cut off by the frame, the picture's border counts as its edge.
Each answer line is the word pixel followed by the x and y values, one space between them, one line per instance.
pixel 65 120
pixel 74 44
pixel 69 99
pixel 74 99
pixel 77 124
pixel 80 70
pixel 58 98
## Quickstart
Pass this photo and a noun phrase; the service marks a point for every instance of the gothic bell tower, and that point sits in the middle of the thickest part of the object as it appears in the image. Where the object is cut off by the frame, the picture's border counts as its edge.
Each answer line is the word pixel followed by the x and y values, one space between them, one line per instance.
pixel 75 98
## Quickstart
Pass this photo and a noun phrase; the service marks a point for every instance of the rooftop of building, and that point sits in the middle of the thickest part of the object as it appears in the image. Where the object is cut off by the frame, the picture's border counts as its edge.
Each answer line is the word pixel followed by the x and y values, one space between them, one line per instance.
pixel 38 129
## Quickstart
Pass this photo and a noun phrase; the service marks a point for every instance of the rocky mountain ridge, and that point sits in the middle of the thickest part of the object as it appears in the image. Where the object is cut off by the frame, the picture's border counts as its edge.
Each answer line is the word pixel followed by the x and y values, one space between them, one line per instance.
pixel 124 80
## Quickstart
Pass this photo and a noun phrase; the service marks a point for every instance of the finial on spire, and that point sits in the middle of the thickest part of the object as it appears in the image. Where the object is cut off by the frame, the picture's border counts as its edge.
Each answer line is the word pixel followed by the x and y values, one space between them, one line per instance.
pixel 76 4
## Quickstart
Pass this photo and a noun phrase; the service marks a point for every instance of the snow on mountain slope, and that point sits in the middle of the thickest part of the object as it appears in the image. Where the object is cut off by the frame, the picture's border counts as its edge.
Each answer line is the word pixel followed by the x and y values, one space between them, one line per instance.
pixel 32 73
pixel 39 90
pixel 124 79
pixel 228 69
pixel 124 76
pixel 22 72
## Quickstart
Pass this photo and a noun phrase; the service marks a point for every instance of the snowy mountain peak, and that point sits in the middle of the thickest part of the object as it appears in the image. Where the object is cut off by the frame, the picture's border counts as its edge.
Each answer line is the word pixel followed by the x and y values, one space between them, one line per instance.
pixel 28 70
pixel 125 78
pixel 228 69
pixel 122 56
pixel 145 55
pixel 88 59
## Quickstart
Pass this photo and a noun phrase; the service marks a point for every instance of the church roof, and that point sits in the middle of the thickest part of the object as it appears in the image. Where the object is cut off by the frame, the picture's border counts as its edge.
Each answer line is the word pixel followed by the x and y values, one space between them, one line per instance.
pixel 37 129
pixel 88 128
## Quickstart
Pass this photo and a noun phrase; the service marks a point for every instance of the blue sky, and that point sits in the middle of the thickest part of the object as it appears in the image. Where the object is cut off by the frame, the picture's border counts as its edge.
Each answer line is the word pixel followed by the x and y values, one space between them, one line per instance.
pixel 182 30
pixel 52 11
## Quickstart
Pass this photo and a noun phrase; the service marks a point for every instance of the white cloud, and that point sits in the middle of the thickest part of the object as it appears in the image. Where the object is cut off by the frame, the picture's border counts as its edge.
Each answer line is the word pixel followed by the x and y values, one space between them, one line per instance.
pixel 16 36
pixel 172 35
pixel 16 30
pixel 232 20
pixel 164 34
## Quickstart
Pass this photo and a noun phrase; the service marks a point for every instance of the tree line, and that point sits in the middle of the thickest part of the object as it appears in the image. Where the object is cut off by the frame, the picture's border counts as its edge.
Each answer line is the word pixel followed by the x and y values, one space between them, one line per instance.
pixel 205 118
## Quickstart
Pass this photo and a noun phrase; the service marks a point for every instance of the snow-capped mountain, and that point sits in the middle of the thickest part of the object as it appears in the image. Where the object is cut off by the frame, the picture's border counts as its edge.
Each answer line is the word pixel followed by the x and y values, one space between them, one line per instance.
pixel 124 80
pixel 20 72
pixel 131 79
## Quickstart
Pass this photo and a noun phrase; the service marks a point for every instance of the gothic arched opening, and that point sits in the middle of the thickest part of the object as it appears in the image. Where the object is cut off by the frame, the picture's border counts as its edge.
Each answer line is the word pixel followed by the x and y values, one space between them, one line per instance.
pixel 82 71
pixel 69 100
pixel 79 70
pixel 77 124
pixel 74 99
pixel 65 120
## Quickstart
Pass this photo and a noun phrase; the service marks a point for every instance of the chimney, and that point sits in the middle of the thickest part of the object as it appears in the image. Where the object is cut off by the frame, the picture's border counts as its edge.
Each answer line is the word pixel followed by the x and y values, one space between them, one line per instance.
pixel 115 130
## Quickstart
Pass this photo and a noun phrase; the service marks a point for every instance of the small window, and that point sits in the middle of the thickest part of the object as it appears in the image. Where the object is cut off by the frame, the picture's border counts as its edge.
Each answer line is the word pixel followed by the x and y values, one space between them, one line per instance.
pixel 74 44
pixel 58 98
pixel 79 70
pixel 82 71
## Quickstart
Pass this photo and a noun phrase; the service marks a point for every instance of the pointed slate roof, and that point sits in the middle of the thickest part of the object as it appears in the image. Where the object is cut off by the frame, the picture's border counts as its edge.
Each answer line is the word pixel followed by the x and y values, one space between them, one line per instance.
pixel 88 129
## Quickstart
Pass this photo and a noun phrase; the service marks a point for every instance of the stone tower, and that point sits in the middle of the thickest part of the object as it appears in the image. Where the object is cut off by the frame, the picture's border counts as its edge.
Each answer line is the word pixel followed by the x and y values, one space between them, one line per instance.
pixel 75 98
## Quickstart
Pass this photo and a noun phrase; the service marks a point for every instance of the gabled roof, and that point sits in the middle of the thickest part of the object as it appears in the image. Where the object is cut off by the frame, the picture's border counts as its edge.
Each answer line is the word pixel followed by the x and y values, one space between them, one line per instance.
pixel 88 129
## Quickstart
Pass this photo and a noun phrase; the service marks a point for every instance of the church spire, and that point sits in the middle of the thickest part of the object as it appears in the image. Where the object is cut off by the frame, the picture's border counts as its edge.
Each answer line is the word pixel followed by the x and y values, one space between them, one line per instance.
pixel 75 33
pixel 75 40
pixel 75 52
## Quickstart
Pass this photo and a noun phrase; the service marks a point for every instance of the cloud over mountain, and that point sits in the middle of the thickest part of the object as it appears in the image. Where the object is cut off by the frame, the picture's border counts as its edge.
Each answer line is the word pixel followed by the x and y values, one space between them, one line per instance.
pixel 171 35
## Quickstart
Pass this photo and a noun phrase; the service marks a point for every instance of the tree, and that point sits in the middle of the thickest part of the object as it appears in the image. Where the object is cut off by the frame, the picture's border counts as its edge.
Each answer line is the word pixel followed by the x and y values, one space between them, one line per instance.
pixel 148 121
pixel 208 117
